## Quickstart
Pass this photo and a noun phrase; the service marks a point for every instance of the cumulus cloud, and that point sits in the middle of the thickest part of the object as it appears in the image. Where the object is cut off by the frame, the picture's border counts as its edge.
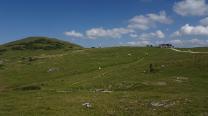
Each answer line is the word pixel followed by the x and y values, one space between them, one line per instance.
pixel 107 33
pixel 145 36
pixel 139 43
pixel 198 42
pixel 192 30
pixel 141 22
pixel 191 8
pixel 144 22
pixel 74 34
pixel 204 21
pixel 193 42
pixel 96 33
pixel 177 42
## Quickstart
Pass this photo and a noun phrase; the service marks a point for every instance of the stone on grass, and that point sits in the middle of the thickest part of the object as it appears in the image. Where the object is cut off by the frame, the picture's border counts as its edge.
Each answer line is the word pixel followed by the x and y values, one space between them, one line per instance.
pixel 99 90
pixel 157 104
pixel 129 54
pixel 163 103
pixel 163 66
pixel 103 91
pixel 87 105
pixel 53 69
pixel 106 91
pixel 181 79
pixel 99 68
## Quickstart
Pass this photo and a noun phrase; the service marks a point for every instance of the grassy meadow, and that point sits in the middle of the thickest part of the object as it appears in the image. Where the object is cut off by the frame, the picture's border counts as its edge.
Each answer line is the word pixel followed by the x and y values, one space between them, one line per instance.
pixel 114 81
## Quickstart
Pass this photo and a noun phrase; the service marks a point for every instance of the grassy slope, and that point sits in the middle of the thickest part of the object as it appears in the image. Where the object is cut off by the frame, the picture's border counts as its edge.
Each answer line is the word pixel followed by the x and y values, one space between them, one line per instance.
pixel 78 76
pixel 35 43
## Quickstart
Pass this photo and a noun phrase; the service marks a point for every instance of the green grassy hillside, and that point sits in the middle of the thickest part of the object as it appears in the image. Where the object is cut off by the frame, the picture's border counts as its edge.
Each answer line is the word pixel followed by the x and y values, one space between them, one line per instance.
pixel 35 43
pixel 114 81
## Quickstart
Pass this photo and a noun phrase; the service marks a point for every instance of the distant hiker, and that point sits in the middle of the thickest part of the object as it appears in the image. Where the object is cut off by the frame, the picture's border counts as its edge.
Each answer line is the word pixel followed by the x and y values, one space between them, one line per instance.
pixel 151 68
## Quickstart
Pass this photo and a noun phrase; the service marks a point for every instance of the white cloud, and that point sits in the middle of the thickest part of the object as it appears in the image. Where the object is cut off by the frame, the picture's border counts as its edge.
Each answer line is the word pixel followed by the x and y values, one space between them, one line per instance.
pixel 191 8
pixel 144 22
pixel 192 30
pixel 204 21
pixel 74 34
pixel 95 33
pixel 133 35
pixel 145 36
pixel 139 43
pixel 198 42
pixel 192 42
pixel 159 34
pixel 177 42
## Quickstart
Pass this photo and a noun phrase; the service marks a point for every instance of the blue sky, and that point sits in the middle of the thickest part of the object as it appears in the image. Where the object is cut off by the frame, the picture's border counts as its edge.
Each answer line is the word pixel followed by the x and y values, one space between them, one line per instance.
pixel 183 23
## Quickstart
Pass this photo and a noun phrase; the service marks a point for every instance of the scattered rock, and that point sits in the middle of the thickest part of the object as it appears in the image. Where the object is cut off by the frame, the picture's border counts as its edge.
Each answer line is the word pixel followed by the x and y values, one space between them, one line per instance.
pixel 157 104
pixel 53 69
pixel 163 103
pixel 169 105
pixel 163 66
pixel 99 90
pixel 106 91
pixel 181 79
pixel 160 83
pixel 87 105
pixel 103 91
pixel 99 68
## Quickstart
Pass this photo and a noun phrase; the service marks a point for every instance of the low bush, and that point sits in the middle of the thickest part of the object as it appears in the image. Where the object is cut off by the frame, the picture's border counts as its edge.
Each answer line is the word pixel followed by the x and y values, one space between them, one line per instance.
pixel 30 88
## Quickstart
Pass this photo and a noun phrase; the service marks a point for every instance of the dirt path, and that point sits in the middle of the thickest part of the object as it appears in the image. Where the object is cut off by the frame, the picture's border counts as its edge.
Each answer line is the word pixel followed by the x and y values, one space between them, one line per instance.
pixel 188 51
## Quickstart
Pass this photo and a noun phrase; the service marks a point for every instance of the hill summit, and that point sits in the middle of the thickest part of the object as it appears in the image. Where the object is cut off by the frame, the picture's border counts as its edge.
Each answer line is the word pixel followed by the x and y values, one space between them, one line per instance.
pixel 36 43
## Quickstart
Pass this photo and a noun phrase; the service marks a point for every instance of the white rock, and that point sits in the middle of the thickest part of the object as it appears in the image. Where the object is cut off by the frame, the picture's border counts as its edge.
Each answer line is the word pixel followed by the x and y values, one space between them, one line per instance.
pixel 157 104
pixel 129 54
pixel 106 91
pixel 87 105
pixel 163 66
pixel 99 68
pixel 53 69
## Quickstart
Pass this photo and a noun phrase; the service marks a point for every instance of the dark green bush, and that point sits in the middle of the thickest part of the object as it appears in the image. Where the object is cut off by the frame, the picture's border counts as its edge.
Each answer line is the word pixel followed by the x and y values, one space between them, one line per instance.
pixel 30 88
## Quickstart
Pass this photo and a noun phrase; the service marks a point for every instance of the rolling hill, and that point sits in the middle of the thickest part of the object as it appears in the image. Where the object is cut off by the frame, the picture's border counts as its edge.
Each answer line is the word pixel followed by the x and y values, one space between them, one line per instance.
pixel 113 81
pixel 35 43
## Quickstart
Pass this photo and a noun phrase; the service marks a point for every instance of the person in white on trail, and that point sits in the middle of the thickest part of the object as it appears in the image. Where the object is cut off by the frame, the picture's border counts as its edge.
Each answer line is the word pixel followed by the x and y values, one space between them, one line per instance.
pixel 188 51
